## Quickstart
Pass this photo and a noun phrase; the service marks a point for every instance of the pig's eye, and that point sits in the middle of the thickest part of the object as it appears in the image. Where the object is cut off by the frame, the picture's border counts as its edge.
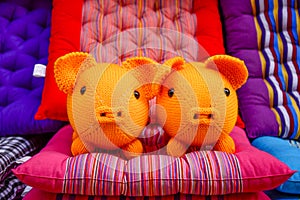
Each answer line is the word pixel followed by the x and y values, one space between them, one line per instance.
pixel 171 92
pixel 136 94
pixel 82 90
pixel 227 91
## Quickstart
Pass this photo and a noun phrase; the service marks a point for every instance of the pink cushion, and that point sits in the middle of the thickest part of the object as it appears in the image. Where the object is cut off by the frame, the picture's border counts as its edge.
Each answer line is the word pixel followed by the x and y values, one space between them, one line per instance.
pixel 199 173
pixel 36 194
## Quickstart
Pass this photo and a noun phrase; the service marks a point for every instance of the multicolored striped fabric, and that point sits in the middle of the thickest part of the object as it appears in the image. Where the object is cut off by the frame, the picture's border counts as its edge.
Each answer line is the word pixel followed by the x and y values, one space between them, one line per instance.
pixel 111 37
pixel 277 24
pixel 154 175
pixel 55 170
pixel 89 169
pixel 115 30
pixel 265 34
pixel 294 143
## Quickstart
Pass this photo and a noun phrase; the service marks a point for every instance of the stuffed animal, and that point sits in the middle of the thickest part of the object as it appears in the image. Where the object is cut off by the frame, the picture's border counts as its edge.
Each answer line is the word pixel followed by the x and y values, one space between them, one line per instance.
pixel 107 104
pixel 197 104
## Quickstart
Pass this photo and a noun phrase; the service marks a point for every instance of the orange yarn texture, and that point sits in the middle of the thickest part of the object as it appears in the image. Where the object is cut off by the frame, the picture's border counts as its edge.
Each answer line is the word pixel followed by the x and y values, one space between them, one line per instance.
pixel 198 105
pixel 108 104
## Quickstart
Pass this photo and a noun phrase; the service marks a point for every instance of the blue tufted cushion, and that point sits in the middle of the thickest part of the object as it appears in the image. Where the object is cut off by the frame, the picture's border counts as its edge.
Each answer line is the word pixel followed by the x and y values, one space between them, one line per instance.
pixel 24 40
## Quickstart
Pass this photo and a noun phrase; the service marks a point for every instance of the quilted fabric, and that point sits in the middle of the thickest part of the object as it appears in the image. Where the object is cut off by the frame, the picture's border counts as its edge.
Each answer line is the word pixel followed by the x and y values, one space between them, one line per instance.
pixel 265 34
pixel 172 28
pixel 24 40
pixel 269 101
pixel 156 29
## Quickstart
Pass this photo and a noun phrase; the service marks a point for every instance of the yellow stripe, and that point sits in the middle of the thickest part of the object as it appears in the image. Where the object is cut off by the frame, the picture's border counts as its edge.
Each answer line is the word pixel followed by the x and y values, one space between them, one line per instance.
pixel 140 25
pixel 285 74
pixel 140 3
pixel 257 27
pixel 259 36
pixel 297 111
pixel 177 27
pixel 271 93
pixel 277 119
pixel 100 29
pixel 101 22
pixel 159 21
pixel 263 64
pixel 275 15
pixel 119 42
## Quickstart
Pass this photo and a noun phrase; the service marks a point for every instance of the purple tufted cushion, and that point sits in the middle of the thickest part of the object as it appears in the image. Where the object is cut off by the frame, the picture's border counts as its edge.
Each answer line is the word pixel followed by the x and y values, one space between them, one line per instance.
pixel 265 34
pixel 24 40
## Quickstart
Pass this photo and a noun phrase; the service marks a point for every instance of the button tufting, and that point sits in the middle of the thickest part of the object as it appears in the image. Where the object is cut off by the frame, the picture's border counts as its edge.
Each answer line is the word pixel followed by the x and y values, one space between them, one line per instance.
pixel 23 42
pixel 176 17
pixel 3 99
pixel 155 43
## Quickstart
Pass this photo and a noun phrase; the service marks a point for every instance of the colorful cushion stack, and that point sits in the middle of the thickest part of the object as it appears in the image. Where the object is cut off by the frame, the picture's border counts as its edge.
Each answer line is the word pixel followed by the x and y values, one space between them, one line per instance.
pixel 24 41
pixel 265 34
pixel 159 29
pixel 266 37
pixel 249 170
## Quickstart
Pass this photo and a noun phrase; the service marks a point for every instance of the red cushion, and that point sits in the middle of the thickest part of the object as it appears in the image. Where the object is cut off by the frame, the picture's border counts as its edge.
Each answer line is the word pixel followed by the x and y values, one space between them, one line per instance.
pixel 66 33
pixel 65 38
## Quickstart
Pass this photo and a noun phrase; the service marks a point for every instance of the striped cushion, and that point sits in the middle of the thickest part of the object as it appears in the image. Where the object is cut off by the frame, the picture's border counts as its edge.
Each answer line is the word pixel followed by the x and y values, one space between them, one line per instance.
pixel 156 175
pixel 115 30
pixel 173 27
pixel 199 173
pixel 269 44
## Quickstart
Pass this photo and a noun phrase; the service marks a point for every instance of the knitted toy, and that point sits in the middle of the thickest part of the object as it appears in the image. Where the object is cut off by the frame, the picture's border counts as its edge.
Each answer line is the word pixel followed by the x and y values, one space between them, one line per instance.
pixel 197 104
pixel 107 104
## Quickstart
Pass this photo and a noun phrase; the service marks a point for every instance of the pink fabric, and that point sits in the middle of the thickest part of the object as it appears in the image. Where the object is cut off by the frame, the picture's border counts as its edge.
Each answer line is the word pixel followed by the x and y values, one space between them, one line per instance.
pixel 204 173
pixel 36 194
pixel 49 167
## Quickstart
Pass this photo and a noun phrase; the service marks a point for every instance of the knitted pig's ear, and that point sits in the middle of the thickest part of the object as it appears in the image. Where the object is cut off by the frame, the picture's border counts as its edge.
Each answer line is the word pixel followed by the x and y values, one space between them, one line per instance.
pixel 67 67
pixel 232 68
pixel 175 63
pixel 134 62
pixel 145 70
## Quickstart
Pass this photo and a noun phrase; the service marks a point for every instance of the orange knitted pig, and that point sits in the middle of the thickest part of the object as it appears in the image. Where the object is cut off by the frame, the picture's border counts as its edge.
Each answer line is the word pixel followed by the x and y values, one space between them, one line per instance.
pixel 197 104
pixel 107 104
